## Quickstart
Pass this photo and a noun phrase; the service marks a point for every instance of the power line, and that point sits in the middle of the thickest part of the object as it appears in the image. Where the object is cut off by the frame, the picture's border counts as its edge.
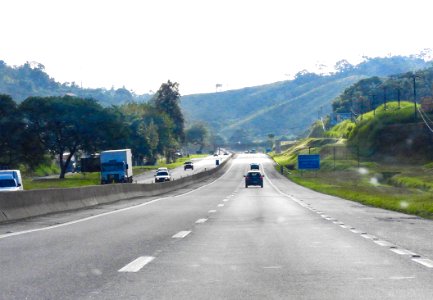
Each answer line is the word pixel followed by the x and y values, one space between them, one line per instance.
pixel 421 113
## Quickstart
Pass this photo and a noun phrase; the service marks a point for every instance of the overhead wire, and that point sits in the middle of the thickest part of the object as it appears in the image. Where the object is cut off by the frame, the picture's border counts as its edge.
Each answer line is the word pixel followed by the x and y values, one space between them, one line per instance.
pixel 423 117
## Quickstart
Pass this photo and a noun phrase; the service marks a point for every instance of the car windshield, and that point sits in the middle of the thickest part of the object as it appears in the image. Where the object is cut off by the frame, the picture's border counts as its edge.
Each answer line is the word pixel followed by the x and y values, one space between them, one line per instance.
pixel 112 167
pixel 162 173
pixel 5 183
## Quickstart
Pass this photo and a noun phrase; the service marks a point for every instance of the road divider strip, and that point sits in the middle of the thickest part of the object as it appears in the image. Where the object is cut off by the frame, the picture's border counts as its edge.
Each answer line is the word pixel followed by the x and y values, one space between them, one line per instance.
pixel 26 204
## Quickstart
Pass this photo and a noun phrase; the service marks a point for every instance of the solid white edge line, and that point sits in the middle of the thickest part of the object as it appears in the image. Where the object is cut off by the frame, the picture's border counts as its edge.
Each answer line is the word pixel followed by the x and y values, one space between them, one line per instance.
pixel 137 265
pixel 2 236
pixel 424 261
pixel 402 251
pixel 181 234
pixel 383 243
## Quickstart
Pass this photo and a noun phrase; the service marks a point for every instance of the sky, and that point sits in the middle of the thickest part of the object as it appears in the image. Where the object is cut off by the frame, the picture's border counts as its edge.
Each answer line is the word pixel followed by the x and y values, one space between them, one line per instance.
pixel 140 44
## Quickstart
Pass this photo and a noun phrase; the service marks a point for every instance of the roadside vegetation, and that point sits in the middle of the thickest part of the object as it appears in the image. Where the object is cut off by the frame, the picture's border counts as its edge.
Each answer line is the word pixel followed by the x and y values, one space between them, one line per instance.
pixel 383 159
pixel 85 179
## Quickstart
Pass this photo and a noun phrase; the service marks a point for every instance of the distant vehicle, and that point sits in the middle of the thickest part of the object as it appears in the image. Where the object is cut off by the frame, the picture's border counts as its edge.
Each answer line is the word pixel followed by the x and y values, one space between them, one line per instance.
pixel 16 174
pixel 226 153
pixel 162 176
pixel 8 184
pixel 247 151
pixel 254 178
pixel 215 154
pixel 188 165
pixel 90 164
pixel 254 166
pixel 162 169
pixel 253 151
pixel 116 166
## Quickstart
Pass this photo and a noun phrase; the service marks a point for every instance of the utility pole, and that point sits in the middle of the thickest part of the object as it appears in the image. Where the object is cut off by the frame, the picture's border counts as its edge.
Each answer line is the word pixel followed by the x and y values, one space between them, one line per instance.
pixel 398 96
pixel 384 97
pixel 414 94
pixel 362 108
pixel 372 101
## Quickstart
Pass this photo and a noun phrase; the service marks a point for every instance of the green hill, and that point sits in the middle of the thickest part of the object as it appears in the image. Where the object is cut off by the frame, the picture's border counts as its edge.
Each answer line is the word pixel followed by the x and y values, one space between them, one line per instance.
pixel 31 79
pixel 288 107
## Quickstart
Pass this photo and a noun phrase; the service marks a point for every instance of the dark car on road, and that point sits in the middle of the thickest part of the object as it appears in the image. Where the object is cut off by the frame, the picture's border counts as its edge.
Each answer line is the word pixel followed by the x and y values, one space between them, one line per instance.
pixel 254 166
pixel 254 178
pixel 188 165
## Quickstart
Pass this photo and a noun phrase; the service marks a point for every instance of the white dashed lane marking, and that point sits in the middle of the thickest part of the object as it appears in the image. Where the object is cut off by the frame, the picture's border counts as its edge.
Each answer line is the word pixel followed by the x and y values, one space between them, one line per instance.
pixel 200 221
pixel 181 234
pixel 137 264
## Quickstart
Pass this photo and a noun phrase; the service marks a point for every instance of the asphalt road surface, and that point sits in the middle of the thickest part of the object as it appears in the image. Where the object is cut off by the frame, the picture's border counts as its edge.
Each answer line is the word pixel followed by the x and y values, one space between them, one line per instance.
pixel 200 165
pixel 221 241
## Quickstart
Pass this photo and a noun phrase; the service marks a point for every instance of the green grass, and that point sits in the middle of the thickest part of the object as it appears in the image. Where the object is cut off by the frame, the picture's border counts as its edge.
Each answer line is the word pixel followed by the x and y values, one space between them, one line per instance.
pixel 341 130
pixel 86 179
pixel 401 187
pixel 361 188
pixel 71 180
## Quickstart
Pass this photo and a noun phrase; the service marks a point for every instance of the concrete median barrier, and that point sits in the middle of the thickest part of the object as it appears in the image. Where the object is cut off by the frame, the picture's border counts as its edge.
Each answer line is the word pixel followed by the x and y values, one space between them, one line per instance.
pixel 26 204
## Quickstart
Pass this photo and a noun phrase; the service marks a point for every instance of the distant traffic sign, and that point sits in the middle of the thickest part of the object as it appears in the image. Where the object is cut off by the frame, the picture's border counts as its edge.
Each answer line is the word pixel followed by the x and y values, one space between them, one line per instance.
pixel 308 161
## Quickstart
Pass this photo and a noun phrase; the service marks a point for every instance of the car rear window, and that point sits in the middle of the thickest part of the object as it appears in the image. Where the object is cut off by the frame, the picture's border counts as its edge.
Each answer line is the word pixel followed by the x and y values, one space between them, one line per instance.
pixel 254 174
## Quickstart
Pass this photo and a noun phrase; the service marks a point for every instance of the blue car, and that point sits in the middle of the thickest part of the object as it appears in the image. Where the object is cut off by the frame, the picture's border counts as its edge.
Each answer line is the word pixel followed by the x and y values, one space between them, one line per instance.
pixel 254 178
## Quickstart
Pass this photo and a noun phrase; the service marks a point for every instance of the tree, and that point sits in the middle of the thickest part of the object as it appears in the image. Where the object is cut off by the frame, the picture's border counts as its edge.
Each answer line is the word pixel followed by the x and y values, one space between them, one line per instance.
pixel 217 141
pixel 197 135
pixel 343 66
pixel 65 125
pixel 150 130
pixel 167 100
pixel 271 140
pixel 11 129
pixel 240 138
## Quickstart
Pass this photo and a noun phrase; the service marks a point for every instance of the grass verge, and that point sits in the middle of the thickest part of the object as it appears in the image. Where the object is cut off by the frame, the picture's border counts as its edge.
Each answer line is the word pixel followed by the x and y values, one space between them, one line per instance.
pixel 86 179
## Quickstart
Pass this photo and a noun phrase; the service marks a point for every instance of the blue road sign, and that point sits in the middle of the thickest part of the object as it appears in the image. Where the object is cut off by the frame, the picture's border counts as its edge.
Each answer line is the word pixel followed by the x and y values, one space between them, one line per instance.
pixel 308 162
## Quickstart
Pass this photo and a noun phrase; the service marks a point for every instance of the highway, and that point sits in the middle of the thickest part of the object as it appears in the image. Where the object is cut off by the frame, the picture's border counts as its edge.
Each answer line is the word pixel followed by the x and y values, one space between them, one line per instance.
pixel 200 164
pixel 220 240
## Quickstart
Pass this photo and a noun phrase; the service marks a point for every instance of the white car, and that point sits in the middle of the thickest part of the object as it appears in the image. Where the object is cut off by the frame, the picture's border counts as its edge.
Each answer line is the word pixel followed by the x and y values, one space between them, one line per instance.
pixel 162 176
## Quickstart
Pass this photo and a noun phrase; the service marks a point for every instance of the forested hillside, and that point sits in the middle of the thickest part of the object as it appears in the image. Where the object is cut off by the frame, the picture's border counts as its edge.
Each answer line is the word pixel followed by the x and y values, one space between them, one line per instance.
pixel 31 79
pixel 287 107
pixel 371 92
